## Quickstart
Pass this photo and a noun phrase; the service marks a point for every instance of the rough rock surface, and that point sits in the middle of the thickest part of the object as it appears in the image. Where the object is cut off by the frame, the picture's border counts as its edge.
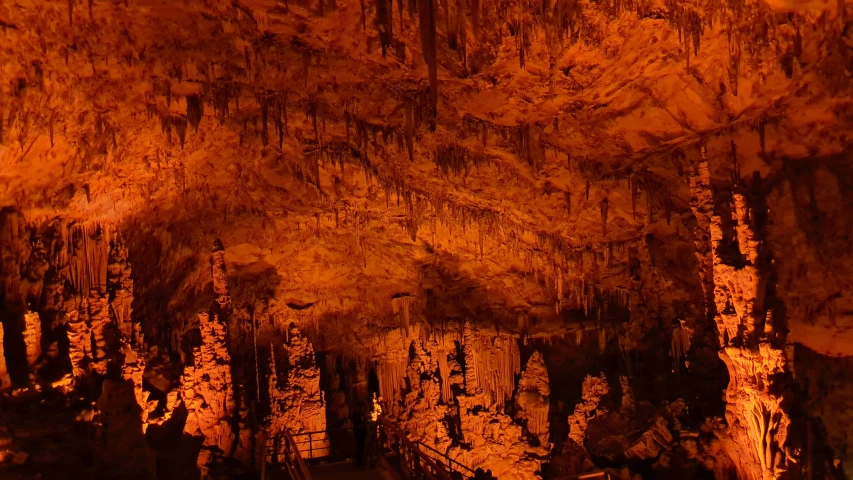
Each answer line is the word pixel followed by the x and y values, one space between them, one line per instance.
pixel 297 404
pixel 386 173
pixel 532 398
pixel 206 387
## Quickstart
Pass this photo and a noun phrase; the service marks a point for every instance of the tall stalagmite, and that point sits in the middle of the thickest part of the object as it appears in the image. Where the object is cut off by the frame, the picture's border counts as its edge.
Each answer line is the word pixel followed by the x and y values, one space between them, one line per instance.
pixel 120 288
pixel 532 397
pixel 297 406
pixel 32 336
pixel 5 380
pixel 752 347
pixel 206 387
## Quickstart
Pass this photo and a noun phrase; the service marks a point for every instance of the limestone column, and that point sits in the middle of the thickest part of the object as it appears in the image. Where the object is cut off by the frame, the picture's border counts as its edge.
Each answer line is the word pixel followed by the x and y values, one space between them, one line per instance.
pixel 5 380
pixel 32 336
pixel 99 318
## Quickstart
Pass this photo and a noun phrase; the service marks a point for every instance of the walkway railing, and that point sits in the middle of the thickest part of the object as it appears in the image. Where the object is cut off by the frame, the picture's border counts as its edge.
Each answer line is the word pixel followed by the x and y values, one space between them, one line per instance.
pixel 414 463
pixel 293 462
pixel 416 460
pixel 449 463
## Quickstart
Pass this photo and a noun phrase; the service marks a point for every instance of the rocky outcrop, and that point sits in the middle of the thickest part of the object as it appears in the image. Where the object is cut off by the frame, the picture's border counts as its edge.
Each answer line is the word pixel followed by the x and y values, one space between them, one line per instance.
pixel 32 337
pixel 297 405
pixel 532 398
pixel 206 387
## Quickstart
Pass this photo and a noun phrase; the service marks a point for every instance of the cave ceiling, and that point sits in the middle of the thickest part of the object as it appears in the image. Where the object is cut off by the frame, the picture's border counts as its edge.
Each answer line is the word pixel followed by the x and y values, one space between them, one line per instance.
pixel 514 171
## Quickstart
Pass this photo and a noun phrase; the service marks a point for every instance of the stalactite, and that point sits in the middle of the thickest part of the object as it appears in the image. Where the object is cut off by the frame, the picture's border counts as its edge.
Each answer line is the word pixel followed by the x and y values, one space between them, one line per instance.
pixel 195 110
pixel 71 12
pixel 568 196
pixel 604 206
pixel 401 308
pixel 426 10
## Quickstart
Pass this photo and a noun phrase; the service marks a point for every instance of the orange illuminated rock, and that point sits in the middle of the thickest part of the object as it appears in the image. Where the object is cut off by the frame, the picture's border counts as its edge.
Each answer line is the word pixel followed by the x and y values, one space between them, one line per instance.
pixel 206 387
pixel 297 404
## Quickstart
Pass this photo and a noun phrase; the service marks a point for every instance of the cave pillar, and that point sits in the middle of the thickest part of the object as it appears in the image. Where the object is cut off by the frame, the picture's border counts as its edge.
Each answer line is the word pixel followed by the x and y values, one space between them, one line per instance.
pixel 206 387
pixel 5 380
pixel 32 336
pixel 220 276
pixel 79 340
pixel 752 348
pixel 132 370
pixel 99 318
pixel 702 205
pixel 532 398
pixel 120 288
pixel 593 389
pixel 297 406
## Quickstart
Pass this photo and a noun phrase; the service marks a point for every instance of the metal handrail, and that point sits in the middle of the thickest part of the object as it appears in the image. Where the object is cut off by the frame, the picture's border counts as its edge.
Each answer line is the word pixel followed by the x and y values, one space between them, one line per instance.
pixel 293 459
pixel 414 460
pixel 451 463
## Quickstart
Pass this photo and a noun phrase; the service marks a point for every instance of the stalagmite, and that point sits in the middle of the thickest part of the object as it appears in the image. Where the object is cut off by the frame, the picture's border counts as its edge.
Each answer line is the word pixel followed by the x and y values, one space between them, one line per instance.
pixel 132 370
pixel 206 387
pixel 32 337
pixel 79 336
pixel 220 276
pixel 756 398
pixel 594 388
pixel 99 318
pixel 298 405
pixel 702 204
pixel 5 380
pixel 532 397
pixel 120 288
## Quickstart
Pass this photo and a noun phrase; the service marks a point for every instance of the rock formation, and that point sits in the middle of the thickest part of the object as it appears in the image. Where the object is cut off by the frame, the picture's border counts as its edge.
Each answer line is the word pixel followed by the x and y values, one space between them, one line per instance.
pixel 593 389
pixel 752 346
pixel 32 336
pixel 207 390
pixel 297 404
pixel 79 336
pixel 472 210
pixel 532 398
pixel 120 288
pixel 5 380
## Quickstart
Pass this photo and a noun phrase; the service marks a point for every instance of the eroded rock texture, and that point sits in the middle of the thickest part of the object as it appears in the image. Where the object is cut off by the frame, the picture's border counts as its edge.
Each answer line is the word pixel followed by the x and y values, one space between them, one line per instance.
pixel 752 347
pixel 297 403
pixel 478 211
pixel 532 398
pixel 207 390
